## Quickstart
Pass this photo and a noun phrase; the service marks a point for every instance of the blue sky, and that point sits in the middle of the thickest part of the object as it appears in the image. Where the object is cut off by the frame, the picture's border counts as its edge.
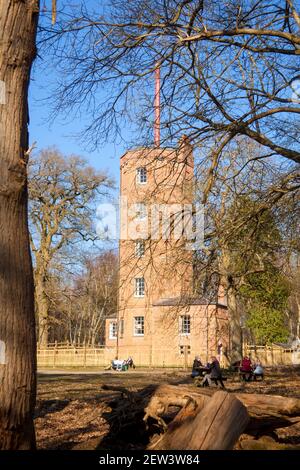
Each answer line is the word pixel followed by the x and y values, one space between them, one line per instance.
pixel 62 131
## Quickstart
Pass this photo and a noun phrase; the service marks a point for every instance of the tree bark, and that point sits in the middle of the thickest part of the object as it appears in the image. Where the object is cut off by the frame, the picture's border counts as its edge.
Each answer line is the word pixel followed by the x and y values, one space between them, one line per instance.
pixel 260 403
pixel 18 23
pixel 42 303
pixel 236 347
pixel 228 282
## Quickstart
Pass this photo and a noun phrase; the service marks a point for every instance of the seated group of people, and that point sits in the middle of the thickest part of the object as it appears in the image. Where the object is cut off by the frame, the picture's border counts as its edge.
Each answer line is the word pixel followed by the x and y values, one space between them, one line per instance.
pixel 249 370
pixel 211 372
pixel 122 364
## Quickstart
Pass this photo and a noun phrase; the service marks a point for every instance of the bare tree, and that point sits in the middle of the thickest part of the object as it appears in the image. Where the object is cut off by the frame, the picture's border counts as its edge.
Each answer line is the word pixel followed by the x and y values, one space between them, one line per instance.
pixel 247 212
pixel 18 23
pixel 96 292
pixel 62 193
pixel 228 69
pixel 79 302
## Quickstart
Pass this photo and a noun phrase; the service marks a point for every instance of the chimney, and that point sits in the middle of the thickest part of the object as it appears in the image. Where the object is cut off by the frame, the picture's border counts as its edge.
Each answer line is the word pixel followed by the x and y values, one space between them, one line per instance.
pixel 185 150
pixel 157 106
pixel 184 142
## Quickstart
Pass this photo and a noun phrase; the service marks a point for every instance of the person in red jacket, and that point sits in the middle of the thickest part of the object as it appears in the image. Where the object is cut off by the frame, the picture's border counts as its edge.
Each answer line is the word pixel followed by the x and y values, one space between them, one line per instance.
pixel 246 368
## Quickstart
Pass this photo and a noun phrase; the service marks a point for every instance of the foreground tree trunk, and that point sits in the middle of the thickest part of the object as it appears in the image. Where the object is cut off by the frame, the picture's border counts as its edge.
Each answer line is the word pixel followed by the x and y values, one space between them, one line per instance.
pixel 18 23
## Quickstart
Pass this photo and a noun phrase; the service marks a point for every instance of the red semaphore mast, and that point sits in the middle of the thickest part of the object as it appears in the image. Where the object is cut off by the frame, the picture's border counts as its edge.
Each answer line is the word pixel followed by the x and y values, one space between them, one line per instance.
pixel 157 107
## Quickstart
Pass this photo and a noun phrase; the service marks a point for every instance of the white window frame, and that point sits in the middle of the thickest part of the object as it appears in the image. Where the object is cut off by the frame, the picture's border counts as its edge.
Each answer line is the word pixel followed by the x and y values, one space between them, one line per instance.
pixel 141 175
pixel 140 320
pixel 139 248
pixel 184 322
pixel 139 287
pixel 113 328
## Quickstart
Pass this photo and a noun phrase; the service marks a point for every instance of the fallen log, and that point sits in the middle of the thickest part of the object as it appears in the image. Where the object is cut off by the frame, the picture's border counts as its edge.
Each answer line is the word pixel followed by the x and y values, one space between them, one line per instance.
pixel 166 396
pixel 159 403
pixel 270 403
pixel 265 403
pixel 216 426
pixel 185 414
pixel 257 404
pixel 266 423
pixel 289 434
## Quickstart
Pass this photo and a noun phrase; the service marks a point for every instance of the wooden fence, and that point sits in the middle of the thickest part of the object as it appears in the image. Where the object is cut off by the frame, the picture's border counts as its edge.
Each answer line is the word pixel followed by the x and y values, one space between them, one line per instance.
pixel 56 356
pixel 64 355
pixel 273 355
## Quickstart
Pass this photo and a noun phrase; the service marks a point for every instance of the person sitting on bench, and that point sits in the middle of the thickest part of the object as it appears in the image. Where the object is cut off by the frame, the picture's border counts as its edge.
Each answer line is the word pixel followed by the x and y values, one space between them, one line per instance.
pixel 258 370
pixel 197 365
pixel 215 374
pixel 129 362
pixel 246 368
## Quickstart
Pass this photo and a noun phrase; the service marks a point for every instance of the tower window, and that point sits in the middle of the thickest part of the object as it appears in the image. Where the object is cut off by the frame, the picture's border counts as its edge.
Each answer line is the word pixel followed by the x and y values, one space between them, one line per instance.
pixel 113 330
pixel 139 287
pixel 185 324
pixel 182 349
pixel 139 248
pixel 141 175
pixel 138 329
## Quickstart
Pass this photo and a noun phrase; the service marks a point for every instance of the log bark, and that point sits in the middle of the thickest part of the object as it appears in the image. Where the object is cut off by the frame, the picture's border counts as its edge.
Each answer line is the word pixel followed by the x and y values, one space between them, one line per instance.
pixel 18 23
pixel 216 427
pixel 271 409
pixel 169 395
pixel 289 433
pixel 269 404
pixel 186 414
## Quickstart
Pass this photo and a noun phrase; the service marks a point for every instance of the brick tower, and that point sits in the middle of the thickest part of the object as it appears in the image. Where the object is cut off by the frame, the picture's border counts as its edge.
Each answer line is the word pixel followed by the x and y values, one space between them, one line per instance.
pixel 158 321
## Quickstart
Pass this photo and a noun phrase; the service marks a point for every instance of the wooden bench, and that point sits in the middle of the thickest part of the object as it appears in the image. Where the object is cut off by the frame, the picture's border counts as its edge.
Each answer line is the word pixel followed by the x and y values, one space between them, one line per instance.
pixel 216 381
pixel 255 376
pixel 243 374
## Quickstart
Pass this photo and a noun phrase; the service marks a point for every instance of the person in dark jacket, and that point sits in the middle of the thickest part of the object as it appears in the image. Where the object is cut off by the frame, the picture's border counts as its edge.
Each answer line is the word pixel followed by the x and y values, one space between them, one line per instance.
pixel 197 364
pixel 215 373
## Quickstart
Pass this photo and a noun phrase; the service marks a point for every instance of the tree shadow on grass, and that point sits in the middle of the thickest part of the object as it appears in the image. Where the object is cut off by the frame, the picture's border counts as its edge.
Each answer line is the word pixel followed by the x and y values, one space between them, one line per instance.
pixel 44 407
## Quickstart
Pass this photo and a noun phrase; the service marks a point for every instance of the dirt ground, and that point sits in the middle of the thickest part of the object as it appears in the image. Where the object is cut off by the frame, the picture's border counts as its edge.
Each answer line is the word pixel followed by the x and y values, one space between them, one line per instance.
pixel 74 412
